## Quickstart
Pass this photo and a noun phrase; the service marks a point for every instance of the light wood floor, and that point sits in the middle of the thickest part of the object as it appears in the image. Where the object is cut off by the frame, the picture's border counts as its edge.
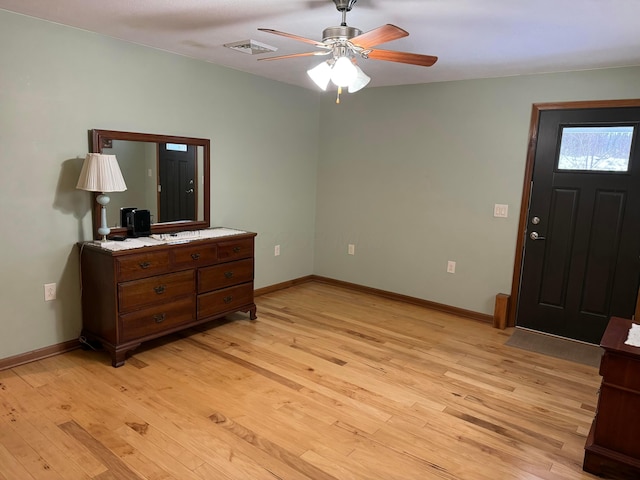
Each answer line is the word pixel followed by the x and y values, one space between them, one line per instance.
pixel 327 384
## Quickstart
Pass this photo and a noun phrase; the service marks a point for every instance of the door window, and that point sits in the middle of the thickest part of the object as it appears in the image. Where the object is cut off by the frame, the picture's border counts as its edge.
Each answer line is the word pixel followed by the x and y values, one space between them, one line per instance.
pixel 595 149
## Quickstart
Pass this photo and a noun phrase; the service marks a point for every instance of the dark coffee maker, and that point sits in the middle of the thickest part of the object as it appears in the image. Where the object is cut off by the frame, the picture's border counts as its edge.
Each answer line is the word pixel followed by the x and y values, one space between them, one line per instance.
pixel 138 223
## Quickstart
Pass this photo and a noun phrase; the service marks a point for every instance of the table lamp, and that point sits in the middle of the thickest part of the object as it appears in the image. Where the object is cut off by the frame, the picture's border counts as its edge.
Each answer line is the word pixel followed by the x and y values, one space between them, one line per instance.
pixel 101 173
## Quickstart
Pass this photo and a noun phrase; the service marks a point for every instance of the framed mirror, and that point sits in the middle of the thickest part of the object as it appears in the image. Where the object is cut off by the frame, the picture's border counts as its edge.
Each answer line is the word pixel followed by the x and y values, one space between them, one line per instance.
pixel 165 174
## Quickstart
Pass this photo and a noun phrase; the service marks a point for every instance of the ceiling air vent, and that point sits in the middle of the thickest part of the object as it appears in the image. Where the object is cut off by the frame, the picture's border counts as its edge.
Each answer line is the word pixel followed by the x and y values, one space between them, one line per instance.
pixel 250 47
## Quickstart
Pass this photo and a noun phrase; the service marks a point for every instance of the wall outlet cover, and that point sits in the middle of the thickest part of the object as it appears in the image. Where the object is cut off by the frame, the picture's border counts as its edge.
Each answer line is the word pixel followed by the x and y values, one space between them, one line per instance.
pixel 49 291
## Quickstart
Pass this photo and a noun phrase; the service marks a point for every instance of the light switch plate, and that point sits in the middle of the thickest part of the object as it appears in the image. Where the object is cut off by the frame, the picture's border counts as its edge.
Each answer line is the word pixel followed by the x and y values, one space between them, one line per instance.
pixel 500 211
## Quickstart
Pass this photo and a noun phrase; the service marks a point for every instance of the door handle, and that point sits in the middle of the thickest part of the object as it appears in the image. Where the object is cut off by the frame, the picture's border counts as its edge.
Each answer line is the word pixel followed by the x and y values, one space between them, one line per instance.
pixel 536 236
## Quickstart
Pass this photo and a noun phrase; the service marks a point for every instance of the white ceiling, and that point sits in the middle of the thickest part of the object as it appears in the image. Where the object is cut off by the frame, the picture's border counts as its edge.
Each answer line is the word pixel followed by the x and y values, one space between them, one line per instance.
pixel 472 38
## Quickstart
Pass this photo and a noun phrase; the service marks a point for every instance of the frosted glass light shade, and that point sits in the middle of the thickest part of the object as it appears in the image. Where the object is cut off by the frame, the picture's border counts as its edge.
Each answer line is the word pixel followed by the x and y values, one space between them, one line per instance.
pixel 361 81
pixel 343 72
pixel 101 173
pixel 321 74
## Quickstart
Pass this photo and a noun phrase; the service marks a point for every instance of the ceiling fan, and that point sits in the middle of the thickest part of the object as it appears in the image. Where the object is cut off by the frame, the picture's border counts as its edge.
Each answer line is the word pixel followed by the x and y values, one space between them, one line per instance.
pixel 345 44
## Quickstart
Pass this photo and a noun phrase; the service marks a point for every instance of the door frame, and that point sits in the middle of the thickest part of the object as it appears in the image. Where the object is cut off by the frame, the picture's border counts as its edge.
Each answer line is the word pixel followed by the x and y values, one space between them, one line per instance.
pixel 528 177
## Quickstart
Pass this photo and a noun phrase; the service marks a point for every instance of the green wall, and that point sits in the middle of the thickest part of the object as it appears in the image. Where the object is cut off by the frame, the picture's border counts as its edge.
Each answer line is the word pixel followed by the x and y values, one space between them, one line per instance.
pixel 56 83
pixel 408 174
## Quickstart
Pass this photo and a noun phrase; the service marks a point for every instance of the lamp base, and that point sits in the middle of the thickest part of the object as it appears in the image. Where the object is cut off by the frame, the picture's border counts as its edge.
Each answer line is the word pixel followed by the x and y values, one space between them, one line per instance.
pixel 104 230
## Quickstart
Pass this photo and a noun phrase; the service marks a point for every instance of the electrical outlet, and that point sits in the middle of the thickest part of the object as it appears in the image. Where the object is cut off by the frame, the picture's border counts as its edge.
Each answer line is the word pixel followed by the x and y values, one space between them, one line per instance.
pixel 451 267
pixel 276 251
pixel 352 249
pixel 49 292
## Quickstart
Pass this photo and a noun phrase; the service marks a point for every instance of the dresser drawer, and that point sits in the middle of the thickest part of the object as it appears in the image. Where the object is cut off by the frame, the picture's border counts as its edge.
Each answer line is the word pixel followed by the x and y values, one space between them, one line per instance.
pixel 224 300
pixel 157 319
pixel 225 275
pixel 195 255
pixel 621 371
pixel 142 265
pixel 235 249
pixel 161 288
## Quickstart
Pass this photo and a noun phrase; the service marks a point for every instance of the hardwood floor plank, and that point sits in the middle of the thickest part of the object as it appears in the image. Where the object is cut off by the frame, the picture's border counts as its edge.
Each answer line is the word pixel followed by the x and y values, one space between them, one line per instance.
pixel 328 383
pixel 271 448
pixel 326 395
pixel 162 460
pixel 43 413
pixel 29 458
pixel 11 466
pixel 224 451
pixel 114 464
pixel 52 457
pixel 345 469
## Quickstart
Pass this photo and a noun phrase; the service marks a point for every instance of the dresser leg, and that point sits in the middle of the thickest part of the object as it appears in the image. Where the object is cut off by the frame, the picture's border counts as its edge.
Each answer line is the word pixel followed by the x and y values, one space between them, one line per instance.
pixel 252 313
pixel 118 357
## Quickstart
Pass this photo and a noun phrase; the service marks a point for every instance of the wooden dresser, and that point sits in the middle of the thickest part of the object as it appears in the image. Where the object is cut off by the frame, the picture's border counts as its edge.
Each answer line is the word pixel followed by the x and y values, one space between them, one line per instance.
pixel 613 445
pixel 133 295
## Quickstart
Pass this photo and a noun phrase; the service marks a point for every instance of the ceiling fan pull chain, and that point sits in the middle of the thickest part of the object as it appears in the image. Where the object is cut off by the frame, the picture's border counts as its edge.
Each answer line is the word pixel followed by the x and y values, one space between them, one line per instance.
pixel 339 92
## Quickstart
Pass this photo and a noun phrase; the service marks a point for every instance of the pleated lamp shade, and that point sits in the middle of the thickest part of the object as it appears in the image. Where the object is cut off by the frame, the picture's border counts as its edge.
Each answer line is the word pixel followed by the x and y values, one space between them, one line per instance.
pixel 101 173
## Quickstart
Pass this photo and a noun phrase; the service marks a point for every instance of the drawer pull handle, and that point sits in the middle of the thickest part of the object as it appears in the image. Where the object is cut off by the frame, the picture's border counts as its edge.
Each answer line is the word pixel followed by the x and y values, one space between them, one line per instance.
pixel 195 256
pixel 227 299
pixel 236 249
pixel 159 318
pixel 144 265
pixel 228 274
pixel 159 289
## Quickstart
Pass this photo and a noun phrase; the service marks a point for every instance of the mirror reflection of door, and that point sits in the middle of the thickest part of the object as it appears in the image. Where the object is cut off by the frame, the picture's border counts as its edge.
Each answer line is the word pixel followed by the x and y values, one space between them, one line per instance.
pixel 581 252
pixel 177 186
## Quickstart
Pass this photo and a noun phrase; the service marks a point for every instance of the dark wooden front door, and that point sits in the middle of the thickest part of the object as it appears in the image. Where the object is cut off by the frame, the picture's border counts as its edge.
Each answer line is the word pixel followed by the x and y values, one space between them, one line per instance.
pixel 177 192
pixel 581 260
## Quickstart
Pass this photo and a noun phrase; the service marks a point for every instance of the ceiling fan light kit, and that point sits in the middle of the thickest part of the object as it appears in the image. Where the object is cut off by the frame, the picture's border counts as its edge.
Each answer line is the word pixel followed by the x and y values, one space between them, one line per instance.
pixel 345 44
pixel 361 81
pixel 343 72
pixel 321 75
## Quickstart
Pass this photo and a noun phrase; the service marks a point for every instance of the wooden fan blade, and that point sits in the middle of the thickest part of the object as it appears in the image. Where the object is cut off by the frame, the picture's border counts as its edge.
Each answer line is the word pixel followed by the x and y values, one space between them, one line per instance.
pixel 379 35
pixel 403 57
pixel 293 55
pixel 292 36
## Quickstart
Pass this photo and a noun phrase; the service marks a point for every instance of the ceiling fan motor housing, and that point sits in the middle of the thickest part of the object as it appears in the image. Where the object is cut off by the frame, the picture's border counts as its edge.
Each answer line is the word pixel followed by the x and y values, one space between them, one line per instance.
pixel 333 34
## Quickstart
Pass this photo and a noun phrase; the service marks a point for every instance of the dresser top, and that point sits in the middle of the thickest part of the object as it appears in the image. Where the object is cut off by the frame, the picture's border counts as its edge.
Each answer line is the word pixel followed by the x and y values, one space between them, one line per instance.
pixel 167 239
pixel 616 334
